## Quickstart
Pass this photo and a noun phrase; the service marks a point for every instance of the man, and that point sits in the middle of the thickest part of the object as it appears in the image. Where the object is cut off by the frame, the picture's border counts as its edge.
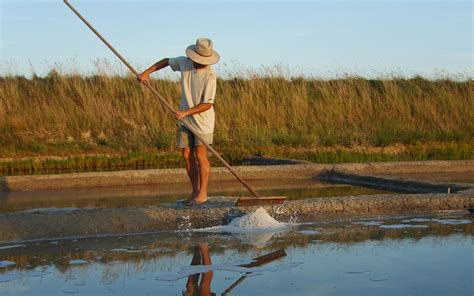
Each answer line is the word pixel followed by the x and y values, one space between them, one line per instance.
pixel 198 89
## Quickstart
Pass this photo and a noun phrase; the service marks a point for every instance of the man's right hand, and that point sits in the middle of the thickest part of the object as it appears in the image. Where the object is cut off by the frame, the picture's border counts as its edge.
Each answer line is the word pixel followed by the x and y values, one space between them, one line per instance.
pixel 142 77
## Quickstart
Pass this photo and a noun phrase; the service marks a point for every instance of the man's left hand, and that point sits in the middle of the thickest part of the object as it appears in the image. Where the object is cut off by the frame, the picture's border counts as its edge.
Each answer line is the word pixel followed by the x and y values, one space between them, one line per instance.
pixel 180 114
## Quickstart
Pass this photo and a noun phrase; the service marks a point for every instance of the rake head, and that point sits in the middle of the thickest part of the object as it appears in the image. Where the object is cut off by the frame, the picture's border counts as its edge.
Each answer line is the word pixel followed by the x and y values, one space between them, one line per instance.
pixel 259 201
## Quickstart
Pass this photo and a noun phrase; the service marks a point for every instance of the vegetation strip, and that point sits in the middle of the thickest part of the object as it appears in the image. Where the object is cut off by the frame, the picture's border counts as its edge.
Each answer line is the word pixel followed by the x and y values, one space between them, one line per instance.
pixel 118 125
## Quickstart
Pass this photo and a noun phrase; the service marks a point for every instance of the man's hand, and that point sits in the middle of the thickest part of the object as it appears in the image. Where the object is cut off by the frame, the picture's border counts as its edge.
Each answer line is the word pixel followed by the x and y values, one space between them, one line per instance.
pixel 194 110
pixel 142 77
pixel 180 114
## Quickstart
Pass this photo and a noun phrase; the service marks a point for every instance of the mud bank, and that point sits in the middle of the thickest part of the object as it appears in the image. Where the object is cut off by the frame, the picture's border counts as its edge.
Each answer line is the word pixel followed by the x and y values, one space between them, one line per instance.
pixel 424 198
pixel 98 222
pixel 391 183
pixel 266 172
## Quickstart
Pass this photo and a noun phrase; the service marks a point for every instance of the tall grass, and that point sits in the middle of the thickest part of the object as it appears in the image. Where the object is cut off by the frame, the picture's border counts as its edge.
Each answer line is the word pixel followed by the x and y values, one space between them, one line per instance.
pixel 65 114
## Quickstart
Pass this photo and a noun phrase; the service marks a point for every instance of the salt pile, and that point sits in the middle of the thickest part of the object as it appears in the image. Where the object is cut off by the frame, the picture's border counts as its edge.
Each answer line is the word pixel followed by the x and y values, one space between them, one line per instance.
pixel 258 221
pixel 255 228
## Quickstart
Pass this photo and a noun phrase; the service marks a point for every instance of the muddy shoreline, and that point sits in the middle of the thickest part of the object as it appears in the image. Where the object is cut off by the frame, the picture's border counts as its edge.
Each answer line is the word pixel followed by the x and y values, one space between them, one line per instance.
pixel 68 223
pixel 423 198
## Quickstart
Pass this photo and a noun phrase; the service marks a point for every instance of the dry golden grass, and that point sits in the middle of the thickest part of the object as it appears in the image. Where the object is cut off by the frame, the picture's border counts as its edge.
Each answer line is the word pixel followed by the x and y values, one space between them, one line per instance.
pixel 69 114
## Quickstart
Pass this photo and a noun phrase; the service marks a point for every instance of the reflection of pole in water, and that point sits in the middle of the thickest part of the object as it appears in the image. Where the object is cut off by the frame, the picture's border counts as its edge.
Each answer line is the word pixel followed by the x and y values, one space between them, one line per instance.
pixel 259 261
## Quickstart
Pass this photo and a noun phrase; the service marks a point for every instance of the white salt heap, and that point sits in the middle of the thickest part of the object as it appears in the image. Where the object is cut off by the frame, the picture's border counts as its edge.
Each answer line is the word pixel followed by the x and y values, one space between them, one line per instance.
pixel 258 221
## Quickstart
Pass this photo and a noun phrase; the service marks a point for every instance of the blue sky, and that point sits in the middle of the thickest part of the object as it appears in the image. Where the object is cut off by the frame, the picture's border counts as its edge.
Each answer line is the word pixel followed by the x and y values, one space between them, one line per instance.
pixel 322 38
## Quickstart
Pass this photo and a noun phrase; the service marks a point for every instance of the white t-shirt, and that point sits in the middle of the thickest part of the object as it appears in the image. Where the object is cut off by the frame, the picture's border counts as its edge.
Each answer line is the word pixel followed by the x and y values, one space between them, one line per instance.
pixel 197 86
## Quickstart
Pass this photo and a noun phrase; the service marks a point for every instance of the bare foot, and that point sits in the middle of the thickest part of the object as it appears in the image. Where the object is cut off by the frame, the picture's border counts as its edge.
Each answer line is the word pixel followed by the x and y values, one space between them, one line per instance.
pixel 192 197
pixel 195 203
pixel 199 199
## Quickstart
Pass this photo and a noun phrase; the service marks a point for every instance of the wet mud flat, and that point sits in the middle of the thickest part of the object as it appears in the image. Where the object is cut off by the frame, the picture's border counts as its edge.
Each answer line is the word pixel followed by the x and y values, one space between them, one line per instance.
pixel 98 222
pixel 414 197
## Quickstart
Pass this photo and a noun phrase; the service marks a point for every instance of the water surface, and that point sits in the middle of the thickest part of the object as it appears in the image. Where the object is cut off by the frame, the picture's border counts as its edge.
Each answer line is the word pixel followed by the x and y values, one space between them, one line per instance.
pixel 403 256
pixel 147 195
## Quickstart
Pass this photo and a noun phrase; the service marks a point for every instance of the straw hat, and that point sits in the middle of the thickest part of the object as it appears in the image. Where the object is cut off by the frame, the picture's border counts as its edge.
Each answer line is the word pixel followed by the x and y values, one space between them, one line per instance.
pixel 202 52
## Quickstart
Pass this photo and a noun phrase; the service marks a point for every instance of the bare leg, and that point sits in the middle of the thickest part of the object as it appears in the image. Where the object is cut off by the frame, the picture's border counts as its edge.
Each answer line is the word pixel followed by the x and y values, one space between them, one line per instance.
pixel 206 257
pixel 192 283
pixel 205 284
pixel 192 170
pixel 204 170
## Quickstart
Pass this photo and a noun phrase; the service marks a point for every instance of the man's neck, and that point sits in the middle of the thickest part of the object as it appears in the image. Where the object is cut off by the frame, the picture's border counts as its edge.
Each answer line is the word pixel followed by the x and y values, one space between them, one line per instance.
pixel 199 66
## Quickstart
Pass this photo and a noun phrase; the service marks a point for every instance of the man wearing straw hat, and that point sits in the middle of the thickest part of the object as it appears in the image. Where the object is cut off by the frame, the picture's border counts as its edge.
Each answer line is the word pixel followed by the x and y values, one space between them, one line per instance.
pixel 198 89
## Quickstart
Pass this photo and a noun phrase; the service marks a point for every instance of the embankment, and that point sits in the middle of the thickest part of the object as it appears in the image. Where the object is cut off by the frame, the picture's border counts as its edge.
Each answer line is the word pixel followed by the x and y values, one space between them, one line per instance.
pixel 269 172
pixel 434 198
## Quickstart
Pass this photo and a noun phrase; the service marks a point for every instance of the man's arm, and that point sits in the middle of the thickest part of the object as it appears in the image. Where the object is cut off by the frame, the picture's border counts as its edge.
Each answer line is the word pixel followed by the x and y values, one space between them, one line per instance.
pixel 155 67
pixel 194 110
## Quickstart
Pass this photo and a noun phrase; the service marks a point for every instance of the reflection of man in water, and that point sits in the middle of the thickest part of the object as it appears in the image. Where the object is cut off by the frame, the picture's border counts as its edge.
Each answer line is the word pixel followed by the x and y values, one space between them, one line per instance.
pixel 193 287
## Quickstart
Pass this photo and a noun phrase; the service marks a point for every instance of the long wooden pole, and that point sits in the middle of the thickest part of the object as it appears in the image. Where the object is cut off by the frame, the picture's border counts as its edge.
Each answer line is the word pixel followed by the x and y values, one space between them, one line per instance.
pixel 166 103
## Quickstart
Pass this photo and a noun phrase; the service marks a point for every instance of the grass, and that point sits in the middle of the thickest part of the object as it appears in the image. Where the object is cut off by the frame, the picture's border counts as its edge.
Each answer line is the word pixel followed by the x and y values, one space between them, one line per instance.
pixel 237 156
pixel 109 122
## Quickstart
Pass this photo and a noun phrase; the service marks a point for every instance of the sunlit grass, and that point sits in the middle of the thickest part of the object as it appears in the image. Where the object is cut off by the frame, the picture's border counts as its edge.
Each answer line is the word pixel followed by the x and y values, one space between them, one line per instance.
pixel 323 120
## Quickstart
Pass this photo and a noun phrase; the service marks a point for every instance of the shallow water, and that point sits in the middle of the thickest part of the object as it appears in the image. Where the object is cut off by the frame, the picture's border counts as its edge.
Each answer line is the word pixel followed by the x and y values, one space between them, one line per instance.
pixel 134 196
pixel 431 256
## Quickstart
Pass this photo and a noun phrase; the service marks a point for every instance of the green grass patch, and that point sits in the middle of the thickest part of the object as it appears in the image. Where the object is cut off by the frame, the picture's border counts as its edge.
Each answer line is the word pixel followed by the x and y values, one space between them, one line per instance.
pixel 236 156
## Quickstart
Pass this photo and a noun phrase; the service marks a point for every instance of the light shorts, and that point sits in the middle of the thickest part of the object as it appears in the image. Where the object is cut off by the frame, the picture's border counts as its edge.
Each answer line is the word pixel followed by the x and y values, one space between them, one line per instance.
pixel 187 139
